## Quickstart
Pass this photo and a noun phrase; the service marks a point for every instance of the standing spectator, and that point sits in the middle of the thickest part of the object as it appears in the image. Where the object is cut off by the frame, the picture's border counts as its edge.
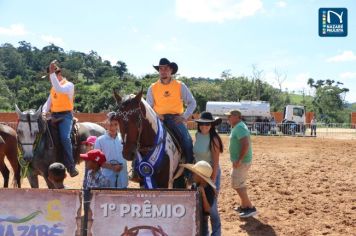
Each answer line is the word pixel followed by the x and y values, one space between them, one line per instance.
pixel 89 145
pixel 241 157
pixel 202 172
pixel 313 126
pixel 57 174
pixel 207 147
pixel 273 126
pixel 115 167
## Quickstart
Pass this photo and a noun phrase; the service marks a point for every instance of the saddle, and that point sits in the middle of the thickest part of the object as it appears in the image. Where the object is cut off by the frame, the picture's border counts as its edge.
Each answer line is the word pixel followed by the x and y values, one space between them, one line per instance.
pixel 176 139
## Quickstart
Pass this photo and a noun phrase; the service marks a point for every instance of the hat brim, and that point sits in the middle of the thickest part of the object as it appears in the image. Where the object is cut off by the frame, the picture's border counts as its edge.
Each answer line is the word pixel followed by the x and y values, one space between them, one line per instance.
pixel 172 65
pixel 231 114
pixel 84 156
pixel 192 169
pixel 216 121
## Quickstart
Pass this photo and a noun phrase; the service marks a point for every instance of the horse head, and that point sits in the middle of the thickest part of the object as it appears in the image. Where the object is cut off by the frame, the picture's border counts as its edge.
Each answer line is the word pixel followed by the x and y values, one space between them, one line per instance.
pixel 29 129
pixel 129 115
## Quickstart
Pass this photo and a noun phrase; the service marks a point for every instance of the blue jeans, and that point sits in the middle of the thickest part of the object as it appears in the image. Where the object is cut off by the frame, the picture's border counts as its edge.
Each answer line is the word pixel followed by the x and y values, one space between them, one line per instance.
pixel 214 213
pixel 214 221
pixel 184 138
pixel 65 129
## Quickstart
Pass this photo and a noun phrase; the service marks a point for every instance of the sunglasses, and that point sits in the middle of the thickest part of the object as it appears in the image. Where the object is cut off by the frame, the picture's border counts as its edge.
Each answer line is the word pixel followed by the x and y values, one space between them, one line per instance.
pixel 204 124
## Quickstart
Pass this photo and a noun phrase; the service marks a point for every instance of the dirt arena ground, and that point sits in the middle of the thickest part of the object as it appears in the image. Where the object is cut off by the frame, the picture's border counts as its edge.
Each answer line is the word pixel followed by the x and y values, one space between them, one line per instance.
pixel 300 186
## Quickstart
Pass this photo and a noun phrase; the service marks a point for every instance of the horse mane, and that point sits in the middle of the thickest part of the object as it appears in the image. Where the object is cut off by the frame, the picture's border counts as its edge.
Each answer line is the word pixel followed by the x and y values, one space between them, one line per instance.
pixel 150 115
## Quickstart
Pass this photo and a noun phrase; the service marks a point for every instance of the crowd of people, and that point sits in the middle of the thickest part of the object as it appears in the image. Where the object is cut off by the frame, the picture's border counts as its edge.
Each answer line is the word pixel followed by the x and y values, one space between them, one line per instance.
pixel 105 166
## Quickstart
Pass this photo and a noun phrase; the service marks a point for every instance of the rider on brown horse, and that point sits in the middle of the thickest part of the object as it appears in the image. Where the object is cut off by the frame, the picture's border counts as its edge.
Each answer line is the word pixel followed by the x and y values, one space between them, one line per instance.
pixel 167 97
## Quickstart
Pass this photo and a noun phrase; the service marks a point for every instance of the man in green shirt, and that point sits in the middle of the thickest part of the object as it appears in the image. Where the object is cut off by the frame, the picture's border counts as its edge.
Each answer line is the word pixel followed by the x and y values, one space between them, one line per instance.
pixel 241 156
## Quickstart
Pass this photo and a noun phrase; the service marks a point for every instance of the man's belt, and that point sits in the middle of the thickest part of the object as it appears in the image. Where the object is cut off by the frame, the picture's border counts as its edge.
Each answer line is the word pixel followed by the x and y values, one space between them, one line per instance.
pixel 171 115
pixel 61 112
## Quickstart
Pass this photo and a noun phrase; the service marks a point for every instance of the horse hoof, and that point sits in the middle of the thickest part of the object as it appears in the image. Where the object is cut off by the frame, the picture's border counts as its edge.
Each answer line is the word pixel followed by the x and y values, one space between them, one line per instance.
pixel 135 179
pixel 73 172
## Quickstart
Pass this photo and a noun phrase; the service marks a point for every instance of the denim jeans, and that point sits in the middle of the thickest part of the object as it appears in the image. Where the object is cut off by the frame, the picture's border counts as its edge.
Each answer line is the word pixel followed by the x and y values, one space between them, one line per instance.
pixel 65 129
pixel 214 214
pixel 184 137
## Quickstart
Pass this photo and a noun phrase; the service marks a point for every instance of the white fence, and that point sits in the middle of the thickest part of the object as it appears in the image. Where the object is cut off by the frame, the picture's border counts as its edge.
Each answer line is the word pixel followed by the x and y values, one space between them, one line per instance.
pixel 332 130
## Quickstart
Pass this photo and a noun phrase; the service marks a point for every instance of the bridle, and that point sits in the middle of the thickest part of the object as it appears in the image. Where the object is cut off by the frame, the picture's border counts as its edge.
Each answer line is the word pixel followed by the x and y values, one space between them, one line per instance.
pixel 42 126
pixel 29 121
pixel 125 116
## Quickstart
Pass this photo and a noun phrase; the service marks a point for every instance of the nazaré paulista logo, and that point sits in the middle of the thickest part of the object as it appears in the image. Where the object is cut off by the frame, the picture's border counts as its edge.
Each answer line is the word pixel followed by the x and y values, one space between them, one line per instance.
pixel 332 22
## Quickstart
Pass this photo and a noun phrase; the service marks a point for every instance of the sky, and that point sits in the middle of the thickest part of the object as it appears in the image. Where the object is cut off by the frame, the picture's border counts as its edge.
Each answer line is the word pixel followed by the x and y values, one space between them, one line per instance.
pixel 204 37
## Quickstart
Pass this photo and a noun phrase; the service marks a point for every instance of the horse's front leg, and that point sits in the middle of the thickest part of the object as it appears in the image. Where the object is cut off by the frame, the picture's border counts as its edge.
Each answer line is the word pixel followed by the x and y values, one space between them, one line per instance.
pixel 33 179
pixel 5 173
pixel 50 185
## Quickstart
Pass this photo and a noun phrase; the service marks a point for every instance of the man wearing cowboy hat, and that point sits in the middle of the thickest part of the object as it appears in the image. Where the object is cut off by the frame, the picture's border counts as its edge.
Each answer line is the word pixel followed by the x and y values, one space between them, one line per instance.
pixel 167 97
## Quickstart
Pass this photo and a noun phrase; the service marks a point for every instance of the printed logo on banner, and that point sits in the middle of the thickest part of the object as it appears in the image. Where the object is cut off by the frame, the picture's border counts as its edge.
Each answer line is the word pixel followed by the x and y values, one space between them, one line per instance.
pixel 42 212
pixel 144 212
pixel 333 22
pixel 15 223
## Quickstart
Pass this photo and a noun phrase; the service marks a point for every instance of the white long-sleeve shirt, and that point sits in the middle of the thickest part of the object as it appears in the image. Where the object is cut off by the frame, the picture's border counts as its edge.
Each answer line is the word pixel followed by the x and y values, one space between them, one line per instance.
pixel 67 88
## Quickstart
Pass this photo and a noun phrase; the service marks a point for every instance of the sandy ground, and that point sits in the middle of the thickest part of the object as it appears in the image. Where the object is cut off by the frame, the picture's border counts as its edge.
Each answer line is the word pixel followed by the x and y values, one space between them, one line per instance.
pixel 300 186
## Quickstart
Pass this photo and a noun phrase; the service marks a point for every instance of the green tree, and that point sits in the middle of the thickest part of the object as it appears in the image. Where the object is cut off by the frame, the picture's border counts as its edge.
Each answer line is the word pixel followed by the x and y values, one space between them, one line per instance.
pixel 120 68
pixel 6 97
pixel 328 101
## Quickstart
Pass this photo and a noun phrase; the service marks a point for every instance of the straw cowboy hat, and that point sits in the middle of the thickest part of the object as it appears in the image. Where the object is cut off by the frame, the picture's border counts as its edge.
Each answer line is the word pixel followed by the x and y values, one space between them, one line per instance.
pixel 207 117
pixel 203 169
pixel 166 62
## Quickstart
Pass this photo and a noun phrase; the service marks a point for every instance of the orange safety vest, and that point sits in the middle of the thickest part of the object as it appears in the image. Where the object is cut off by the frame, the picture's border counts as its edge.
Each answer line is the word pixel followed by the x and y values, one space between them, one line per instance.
pixel 167 97
pixel 61 101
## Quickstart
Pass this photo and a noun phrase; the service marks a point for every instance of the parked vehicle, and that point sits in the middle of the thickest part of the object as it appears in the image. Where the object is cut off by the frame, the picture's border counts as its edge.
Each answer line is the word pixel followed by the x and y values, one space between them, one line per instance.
pixel 257 116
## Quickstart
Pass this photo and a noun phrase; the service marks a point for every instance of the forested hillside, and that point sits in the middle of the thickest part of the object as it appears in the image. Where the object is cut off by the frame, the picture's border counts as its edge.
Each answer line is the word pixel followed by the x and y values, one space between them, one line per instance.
pixel 22 67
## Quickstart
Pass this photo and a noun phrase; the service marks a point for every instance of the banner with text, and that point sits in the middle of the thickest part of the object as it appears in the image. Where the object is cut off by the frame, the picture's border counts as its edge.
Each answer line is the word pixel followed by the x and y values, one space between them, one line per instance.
pixel 144 212
pixel 44 212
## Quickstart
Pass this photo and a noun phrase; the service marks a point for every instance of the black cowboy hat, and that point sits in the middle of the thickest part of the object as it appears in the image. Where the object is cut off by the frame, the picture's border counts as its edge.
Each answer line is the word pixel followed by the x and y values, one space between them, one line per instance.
pixel 166 62
pixel 207 117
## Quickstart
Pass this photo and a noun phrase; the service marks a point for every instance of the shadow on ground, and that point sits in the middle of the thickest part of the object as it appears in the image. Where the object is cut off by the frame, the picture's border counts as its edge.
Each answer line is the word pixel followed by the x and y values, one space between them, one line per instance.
pixel 255 227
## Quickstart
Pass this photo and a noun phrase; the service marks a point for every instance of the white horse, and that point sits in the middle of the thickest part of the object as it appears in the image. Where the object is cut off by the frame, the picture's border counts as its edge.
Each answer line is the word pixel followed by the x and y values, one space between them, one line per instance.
pixel 40 146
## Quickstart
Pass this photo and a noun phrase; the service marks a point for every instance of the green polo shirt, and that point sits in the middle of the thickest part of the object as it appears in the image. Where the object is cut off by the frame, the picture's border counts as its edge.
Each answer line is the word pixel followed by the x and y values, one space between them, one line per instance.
pixel 238 132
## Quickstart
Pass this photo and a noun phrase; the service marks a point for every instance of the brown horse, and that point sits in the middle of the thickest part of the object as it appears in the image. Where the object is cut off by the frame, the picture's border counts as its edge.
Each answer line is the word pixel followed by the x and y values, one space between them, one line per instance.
pixel 148 144
pixel 8 148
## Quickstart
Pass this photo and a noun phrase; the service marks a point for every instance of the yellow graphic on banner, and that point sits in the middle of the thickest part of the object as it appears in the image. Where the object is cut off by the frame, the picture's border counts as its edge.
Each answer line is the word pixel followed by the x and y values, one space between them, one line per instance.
pixel 53 211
